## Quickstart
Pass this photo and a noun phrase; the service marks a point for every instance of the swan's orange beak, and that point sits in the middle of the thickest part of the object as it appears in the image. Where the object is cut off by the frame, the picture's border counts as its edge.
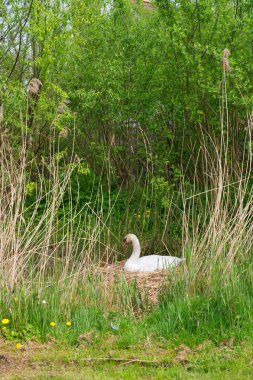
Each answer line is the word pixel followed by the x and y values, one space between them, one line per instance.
pixel 124 241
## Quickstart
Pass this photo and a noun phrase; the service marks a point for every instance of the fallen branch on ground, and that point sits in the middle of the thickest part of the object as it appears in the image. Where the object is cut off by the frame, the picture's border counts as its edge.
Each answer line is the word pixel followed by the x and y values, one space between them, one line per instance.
pixel 125 361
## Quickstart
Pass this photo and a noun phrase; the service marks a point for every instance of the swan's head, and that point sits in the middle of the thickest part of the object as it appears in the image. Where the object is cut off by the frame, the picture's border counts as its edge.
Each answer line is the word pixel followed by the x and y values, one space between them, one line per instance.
pixel 129 238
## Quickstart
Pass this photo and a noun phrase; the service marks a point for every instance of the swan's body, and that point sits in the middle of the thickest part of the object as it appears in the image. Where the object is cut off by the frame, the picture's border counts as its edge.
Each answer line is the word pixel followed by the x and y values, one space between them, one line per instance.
pixel 147 263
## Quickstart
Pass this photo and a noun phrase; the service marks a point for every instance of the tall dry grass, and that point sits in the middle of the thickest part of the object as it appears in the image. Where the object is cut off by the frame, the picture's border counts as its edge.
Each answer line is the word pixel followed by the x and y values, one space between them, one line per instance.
pixel 218 220
pixel 50 237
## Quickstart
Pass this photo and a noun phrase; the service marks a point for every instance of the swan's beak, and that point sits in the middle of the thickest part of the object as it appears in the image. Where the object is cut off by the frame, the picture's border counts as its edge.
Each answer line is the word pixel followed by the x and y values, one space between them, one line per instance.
pixel 124 241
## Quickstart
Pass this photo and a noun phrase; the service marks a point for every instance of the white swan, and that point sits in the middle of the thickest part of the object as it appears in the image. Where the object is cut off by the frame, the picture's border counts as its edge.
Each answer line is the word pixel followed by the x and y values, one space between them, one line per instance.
pixel 146 263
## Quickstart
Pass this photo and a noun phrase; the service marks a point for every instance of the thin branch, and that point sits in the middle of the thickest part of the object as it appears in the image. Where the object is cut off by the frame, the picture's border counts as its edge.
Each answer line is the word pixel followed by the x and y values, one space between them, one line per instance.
pixel 125 361
pixel 20 41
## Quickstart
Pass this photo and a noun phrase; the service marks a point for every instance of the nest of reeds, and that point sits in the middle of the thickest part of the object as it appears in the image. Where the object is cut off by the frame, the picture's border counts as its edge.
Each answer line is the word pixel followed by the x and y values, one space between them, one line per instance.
pixel 143 288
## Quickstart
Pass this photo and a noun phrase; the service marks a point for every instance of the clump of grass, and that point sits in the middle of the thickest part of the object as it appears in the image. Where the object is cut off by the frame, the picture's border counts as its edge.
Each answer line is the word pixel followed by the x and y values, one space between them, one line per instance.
pixel 208 311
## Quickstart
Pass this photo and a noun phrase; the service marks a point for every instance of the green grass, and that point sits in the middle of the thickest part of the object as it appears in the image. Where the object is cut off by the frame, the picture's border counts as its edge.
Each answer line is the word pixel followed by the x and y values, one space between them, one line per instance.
pixel 184 313
pixel 150 358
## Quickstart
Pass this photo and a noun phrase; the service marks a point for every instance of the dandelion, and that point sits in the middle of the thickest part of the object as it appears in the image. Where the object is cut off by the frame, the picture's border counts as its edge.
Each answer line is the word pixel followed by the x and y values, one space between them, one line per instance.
pixel 18 346
pixel 5 321
pixel 68 323
pixel 52 324
pixel 16 299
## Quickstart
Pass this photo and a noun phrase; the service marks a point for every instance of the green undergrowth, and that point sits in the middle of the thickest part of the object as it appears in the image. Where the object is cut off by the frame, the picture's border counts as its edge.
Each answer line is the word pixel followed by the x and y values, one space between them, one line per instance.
pixel 189 310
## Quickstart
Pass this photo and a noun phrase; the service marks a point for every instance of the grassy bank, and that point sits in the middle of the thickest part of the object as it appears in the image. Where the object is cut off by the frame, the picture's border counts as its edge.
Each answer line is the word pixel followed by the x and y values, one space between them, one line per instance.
pixel 106 358
pixel 187 311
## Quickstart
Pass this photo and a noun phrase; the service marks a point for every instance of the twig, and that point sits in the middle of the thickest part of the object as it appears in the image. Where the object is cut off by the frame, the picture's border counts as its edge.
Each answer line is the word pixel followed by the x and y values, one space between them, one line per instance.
pixel 125 361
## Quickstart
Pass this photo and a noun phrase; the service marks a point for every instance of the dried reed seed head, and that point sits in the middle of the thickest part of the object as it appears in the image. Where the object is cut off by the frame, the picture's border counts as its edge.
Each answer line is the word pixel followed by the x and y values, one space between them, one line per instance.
pixel 62 107
pixel 226 53
pixel 34 87
pixel 63 133
pixel 225 61
pixel 226 66
pixel 77 159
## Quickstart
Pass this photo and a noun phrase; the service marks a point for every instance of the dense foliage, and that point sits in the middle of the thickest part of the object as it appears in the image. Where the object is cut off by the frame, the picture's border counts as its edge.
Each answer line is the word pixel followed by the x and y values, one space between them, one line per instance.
pixel 143 86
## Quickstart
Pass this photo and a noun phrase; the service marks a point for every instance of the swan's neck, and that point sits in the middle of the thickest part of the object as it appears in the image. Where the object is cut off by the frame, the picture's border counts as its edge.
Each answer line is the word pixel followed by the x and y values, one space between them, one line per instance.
pixel 136 249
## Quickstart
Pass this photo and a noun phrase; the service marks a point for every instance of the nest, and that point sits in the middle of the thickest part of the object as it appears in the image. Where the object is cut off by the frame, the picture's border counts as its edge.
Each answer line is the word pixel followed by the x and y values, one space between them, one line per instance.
pixel 144 286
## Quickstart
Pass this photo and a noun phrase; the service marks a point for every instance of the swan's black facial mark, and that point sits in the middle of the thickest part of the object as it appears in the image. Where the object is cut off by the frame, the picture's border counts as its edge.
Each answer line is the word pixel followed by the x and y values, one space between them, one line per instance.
pixel 124 240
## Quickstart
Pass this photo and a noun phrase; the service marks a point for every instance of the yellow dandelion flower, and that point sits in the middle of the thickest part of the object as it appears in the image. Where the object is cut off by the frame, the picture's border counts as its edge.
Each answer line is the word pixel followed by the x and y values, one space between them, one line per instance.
pixel 5 321
pixel 16 299
pixel 52 324
pixel 68 323
pixel 18 346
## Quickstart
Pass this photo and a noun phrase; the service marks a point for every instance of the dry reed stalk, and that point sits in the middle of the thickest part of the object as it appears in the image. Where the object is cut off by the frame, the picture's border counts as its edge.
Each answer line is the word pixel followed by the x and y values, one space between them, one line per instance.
pixel 22 239
pixel 221 229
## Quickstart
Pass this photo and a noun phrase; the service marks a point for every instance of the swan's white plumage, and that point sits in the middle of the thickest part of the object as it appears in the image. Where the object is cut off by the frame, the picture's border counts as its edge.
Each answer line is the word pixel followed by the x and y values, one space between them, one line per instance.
pixel 147 263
